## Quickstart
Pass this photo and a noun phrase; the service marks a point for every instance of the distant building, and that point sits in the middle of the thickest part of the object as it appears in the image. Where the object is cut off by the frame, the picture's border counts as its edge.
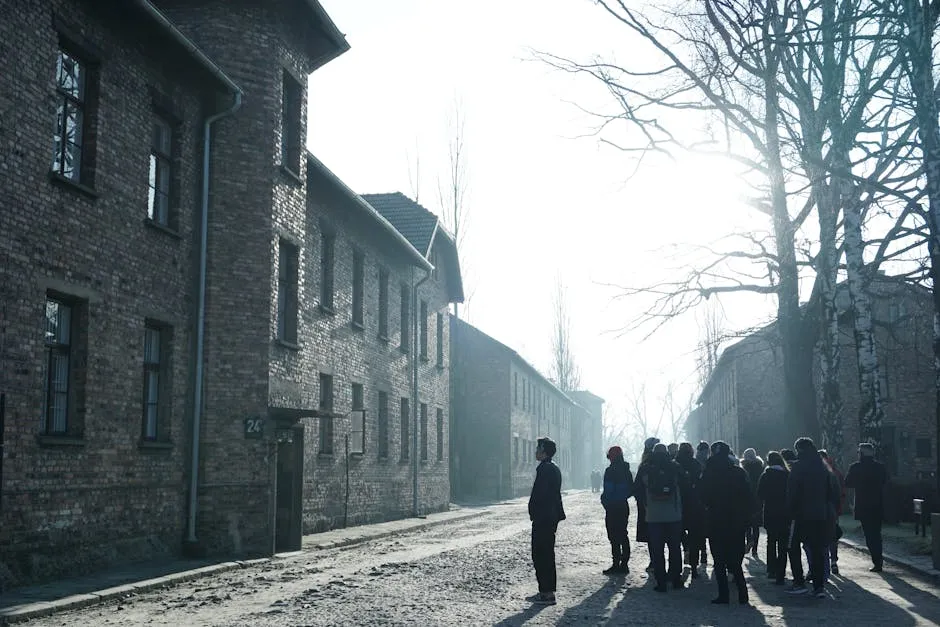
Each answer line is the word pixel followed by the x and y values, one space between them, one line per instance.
pixel 742 401
pixel 588 436
pixel 501 406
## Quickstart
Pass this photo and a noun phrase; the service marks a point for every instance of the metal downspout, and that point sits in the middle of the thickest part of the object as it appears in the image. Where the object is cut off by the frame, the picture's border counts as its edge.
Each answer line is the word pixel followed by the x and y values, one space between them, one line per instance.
pixel 201 313
pixel 414 386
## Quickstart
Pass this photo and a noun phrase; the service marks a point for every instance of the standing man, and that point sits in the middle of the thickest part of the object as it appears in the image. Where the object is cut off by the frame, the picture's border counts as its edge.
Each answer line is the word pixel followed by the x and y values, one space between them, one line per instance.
pixel 728 509
pixel 618 486
pixel 545 512
pixel 869 478
pixel 664 484
pixel 810 498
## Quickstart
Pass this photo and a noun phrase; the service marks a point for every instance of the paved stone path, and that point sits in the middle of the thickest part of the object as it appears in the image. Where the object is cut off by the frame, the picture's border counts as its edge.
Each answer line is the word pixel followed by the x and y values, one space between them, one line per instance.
pixel 478 572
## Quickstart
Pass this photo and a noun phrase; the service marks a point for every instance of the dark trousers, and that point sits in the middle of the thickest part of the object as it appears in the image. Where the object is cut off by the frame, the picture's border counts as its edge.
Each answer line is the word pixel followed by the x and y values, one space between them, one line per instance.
pixel 663 535
pixel 693 542
pixel 815 535
pixel 543 556
pixel 871 527
pixel 728 554
pixel 616 519
pixel 753 537
pixel 777 552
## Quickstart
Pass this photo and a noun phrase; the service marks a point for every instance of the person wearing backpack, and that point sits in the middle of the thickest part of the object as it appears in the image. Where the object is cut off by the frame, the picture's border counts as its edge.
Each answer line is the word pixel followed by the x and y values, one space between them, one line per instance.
pixel 664 483
pixel 618 486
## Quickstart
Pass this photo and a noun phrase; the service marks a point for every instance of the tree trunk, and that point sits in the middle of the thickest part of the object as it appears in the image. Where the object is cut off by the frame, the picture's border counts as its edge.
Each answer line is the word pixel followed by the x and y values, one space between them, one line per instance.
pixel 919 25
pixel 799 401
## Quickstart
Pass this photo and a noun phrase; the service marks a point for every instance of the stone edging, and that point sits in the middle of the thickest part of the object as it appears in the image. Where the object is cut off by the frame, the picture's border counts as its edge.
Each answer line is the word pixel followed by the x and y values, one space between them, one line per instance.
pixel 930 574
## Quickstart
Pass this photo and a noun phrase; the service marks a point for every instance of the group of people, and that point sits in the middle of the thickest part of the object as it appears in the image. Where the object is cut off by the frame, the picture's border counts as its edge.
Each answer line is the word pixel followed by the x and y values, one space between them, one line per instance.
pixel 688 496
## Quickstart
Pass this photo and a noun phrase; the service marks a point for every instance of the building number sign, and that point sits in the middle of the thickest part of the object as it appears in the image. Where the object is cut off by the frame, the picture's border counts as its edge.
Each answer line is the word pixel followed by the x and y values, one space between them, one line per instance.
pixel 254 428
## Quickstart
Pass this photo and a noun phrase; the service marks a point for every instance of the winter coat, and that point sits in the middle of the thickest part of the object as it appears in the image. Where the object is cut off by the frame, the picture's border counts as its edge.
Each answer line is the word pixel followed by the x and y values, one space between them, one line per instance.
pixel 693 511
pixel 869 478
pixel 810 494
pixel 772 494
pixel 754 469
pixel 727 496
pixel 669 510
pixel 618 484
pixel 545 507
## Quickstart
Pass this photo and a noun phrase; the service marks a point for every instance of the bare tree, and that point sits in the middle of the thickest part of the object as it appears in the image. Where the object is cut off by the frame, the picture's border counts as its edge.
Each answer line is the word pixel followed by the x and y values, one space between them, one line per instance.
pixel 711 334
pixel 414 172
pixel 564 369
pixel 453 190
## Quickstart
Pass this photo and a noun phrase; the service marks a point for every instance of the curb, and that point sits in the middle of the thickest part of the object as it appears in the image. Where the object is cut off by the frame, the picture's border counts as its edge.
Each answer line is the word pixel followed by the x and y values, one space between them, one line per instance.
pixel 28 611
pixel 929 574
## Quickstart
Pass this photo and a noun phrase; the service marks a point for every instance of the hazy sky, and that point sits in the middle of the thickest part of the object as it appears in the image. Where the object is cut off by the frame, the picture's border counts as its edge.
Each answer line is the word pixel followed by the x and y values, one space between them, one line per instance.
pixel 544 201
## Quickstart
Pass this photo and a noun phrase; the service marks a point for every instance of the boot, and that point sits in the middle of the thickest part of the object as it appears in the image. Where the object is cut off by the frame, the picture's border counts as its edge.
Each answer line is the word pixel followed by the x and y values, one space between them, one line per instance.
pixel 616 555
pixel 625 556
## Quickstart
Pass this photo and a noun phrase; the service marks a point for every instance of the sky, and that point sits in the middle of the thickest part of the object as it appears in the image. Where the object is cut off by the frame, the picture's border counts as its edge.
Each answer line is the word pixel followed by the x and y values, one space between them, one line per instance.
pixel 547 200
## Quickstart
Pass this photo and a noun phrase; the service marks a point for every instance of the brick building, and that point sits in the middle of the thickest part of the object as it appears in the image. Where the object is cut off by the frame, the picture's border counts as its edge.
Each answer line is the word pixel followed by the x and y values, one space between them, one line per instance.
pixel 266 295
pixel 502 405
pixel 742 401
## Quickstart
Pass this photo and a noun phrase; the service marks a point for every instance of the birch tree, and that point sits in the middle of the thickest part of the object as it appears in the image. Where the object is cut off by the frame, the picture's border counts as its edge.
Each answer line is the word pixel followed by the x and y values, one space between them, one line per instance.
pixel 564 368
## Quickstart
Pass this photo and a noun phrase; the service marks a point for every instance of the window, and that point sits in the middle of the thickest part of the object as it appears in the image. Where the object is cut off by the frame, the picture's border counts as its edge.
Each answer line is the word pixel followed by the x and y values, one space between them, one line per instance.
pixel 424 329
pixel 291 123
pixel 922 448
pixel 383 303
pixel 440 434
pixel 515 449
pixel 58 340
pixel 357 433
pixel 326 413
pixel 357 288
pixel 161 172
pixel 405 410
pixel 424 432
pixel 435 271
pixel 440 340
pixel 525 388
pixel 327 244
pixel 71 151
pixel 883 382
pixel 287 288
pixel 383 425
pixel 405 317
pixel 156 392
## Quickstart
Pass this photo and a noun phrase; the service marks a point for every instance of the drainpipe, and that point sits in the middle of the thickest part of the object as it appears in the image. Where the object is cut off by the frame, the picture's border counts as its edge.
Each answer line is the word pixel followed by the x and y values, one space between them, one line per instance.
pixel 201 312
pixel 416 342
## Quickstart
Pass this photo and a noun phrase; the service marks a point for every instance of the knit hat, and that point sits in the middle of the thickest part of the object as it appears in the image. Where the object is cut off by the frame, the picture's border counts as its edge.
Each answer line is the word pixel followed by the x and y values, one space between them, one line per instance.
pixel 650 443
pixel 614 452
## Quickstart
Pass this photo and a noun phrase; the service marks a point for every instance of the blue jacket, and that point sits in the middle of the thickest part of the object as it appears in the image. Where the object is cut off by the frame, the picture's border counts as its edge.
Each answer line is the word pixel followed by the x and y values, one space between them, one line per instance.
pixel 618 484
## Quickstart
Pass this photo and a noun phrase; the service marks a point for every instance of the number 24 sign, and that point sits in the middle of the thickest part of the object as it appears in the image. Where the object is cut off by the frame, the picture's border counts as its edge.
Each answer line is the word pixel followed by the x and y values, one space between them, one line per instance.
pixel 254 428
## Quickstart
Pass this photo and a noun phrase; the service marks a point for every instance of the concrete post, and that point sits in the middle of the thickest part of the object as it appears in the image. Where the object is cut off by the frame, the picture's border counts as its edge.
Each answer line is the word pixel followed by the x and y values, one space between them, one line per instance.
pixel 935 533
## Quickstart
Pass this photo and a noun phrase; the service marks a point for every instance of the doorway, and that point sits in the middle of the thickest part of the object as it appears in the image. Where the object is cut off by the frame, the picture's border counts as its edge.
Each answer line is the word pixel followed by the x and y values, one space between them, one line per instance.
pixel 289 489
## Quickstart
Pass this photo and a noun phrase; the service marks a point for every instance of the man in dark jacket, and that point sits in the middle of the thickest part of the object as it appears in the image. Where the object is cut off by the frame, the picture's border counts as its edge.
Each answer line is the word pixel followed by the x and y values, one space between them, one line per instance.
pixel 869 477
pixel 810 499
pixel 729 505
pixel 693 512
pixel 618 487
pixel 545 512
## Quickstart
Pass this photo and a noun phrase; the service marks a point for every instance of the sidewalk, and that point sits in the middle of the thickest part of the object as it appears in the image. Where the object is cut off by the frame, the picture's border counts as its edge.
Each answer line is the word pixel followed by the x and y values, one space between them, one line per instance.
pixel 894 553
pixel 22 604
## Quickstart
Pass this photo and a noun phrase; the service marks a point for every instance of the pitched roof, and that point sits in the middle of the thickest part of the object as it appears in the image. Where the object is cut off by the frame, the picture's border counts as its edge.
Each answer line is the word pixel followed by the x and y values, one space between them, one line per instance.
pixel 412 220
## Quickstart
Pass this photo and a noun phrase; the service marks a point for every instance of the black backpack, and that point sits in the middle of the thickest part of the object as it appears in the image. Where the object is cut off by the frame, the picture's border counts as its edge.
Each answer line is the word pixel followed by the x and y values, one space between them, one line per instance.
pixel 662 482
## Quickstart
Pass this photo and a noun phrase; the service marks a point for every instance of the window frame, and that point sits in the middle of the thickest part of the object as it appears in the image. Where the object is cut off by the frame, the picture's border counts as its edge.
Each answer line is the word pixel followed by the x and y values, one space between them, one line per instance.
pixel 288 291
pixel 357 446
pixel 327 271
pixel 383 304
pixel 440 339
pixel 292 105
pixel 326 435
pixel 162 369
pixel 383 425
pixel 358 288
pixel 423 426
pixel 165 156
pixel 405 318
pixel 79 173
pixel 423 330
pixel 405 428
pixel 61 349
pixel 440 434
